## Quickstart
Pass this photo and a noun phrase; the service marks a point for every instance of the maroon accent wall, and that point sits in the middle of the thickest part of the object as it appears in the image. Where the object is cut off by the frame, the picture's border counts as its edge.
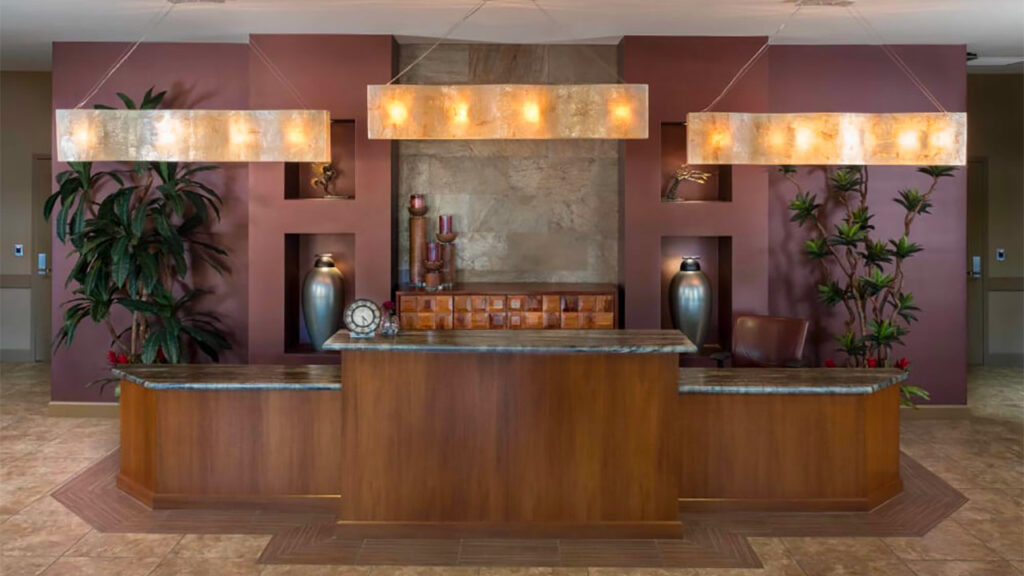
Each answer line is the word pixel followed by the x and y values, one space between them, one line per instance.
pixel 770 272
pixel 684 75
pixel 196 76
pixel 329 72
pixel 863 79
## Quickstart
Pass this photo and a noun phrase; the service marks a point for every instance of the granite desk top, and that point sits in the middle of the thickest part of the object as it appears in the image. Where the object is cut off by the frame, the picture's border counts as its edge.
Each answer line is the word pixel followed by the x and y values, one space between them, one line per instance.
pixel 232 377
pixel 849 381
pixel 522 341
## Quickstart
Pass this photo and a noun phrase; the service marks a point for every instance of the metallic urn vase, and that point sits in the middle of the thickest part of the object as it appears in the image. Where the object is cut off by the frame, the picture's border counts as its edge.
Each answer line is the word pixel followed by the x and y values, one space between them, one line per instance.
pixel 689 300
pixel 323 296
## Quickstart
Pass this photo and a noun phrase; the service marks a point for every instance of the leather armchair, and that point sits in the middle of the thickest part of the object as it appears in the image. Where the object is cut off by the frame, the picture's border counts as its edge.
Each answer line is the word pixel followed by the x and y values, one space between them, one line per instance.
pixel 766 341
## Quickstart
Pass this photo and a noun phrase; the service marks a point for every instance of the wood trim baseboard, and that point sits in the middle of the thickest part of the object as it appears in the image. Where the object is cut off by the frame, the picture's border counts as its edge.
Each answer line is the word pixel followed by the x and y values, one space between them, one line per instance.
pixel 283 503
pixel 775 504
pixel 83 409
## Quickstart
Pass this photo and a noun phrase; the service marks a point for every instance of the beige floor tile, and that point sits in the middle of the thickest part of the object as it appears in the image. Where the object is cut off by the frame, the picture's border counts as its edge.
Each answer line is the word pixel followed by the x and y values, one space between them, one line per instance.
pixel 303 570
pixel 1004 535
pixel 70 566
pixel 854 548
pixel 97 544
pixel 25 537
pixel 246 547
pixel 947 541
pixel 842 566
pixel 962 568
pixel 775 559
pixel 179 566
pixel 24 565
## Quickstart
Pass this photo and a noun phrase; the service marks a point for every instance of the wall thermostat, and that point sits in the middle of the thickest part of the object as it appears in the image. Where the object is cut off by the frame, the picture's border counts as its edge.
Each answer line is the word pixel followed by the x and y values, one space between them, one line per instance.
pixel 1000 254
pixel 19 250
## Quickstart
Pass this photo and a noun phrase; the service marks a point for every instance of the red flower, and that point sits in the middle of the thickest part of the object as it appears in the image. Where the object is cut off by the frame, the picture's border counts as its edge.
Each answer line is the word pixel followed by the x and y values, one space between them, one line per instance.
pixel 160 355
pixel 872 362
pixel 902 364
pixel 388 306
pixel 122 359
pixel 830 363
pixel 112 357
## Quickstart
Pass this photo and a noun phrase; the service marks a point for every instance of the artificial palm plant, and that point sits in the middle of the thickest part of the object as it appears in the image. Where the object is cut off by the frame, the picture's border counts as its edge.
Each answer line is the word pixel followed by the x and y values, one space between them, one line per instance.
pixel 135 232
pixel 860 272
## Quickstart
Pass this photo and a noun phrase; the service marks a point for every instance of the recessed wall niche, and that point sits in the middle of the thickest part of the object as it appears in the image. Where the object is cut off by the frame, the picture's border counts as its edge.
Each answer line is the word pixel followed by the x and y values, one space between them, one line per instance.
pixel 300 251
pixel 716 261
pixel 718 188
pixel 299 176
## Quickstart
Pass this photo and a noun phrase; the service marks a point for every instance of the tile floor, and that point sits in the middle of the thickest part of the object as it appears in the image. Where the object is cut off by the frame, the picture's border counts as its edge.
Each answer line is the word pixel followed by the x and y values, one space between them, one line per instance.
pixel 980 453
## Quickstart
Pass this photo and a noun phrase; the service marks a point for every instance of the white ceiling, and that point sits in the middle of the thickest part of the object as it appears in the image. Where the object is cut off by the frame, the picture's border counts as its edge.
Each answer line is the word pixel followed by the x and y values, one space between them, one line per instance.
pixel 27 27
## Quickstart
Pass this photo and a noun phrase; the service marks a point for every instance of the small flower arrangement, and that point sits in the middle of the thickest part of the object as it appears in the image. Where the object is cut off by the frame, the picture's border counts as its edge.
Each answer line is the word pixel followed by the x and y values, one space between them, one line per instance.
pixel 389 323
pixel 907 393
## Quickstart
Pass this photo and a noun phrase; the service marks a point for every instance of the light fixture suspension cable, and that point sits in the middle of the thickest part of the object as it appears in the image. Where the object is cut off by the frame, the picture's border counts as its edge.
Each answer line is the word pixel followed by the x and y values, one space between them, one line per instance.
pixel 128 52
pixel 451 30
pixel 896 59
pixel 753 59
pixel 590 51
pixel 277 73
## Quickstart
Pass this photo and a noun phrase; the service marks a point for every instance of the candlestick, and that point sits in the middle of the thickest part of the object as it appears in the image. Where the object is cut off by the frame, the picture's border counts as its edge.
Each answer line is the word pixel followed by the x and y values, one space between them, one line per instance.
pixel 444 223
pixel 433 252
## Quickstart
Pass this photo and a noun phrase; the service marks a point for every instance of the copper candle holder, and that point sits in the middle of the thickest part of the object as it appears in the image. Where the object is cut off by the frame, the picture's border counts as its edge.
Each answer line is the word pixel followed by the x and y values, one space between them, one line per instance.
pixel 418 211
pixel 447 240
pixel 432 279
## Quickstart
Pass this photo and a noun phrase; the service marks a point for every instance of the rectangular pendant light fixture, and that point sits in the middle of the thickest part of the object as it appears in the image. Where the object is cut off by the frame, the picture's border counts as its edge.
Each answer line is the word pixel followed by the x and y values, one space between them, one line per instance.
pixel 915 139
pixel 506 111
pixel 193 135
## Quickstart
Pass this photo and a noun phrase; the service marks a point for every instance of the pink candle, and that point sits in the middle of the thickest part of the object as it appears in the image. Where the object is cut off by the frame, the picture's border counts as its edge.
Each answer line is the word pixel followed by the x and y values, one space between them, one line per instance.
pixel 444 222
pixel 433 252
pixel 417 201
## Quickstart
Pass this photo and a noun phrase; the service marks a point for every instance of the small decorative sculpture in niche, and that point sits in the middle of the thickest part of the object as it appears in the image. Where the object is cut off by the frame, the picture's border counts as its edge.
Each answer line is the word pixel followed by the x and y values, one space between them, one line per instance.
pixel 685 173
pixel 325 174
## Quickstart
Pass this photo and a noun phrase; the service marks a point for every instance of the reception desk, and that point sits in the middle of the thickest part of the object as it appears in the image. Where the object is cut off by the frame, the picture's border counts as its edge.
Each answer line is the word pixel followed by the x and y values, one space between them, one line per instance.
pixel 511 433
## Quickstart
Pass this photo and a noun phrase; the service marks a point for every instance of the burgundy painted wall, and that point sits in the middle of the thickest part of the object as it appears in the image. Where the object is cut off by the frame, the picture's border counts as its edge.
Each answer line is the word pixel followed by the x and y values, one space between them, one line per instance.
pixel 196 76
pixel 329 72
pixel 685 74
pixel 863 79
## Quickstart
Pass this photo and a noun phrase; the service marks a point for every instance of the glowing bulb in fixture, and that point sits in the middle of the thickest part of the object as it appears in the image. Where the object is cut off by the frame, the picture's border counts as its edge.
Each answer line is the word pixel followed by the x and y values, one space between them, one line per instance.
pixel 531 112
pixel 910 140
pixel 81 135
pixel 296 134
pixel 622 111
pixel 720 139
pixel 942 139
pixel 461 113
pixel 397 112
pixel 776 138
pixel 168 131
pixel 803 138
pixel 239 132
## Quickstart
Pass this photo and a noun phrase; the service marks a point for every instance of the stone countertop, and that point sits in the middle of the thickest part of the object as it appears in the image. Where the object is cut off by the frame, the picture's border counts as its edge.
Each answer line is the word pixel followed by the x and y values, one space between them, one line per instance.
pixel 522 341
pixel 838 381
pixel 232 377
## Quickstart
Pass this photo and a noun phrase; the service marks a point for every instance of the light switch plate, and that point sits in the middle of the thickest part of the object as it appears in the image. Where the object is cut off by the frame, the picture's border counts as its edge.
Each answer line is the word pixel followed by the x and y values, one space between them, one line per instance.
pixel 19 250
pixel 1000 254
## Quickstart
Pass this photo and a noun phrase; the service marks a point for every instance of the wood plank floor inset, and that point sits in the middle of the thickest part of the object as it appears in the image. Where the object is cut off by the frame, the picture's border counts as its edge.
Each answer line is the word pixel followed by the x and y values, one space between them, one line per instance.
pixel 709 540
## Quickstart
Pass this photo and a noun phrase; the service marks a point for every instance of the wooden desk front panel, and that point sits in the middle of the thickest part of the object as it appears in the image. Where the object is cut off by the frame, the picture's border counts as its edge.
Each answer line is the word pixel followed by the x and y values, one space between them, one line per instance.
pixel 509 438
pixel 789 452
pixel 185 448
pixel 516 311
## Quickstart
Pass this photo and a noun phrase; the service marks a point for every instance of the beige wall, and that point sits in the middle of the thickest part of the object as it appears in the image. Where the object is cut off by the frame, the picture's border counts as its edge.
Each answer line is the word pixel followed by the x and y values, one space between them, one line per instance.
pixel 525 210
pixel 25 125
pixel 995 108
pixel 996 133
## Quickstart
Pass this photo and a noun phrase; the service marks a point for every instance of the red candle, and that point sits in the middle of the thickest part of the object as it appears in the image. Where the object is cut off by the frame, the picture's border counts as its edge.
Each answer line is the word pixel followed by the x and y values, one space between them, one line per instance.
pixel 444 222
pixel 417 201
pixel 433 252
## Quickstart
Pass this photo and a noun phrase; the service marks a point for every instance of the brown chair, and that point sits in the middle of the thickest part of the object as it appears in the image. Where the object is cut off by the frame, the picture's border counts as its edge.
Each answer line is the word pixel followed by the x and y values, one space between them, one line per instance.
pixel 766 341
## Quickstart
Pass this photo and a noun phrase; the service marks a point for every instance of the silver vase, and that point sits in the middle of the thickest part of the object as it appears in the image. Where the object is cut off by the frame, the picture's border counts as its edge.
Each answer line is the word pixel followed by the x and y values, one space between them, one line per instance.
pixel 323 292
pixel 689 300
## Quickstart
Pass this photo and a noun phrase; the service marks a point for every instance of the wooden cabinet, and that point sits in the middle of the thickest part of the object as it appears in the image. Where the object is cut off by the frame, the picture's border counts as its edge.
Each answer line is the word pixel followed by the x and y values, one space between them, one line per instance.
pixel 511 306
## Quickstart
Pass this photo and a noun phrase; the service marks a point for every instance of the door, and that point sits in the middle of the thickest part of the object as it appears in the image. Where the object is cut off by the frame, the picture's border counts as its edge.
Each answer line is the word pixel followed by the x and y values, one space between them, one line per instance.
pixel 977 248
pixel 42 268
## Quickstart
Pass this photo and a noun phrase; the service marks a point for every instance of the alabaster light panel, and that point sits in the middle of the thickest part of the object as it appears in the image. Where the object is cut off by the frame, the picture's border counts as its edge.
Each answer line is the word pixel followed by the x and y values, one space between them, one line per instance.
pixel 507 111
pixel 194 135
pixel 827 138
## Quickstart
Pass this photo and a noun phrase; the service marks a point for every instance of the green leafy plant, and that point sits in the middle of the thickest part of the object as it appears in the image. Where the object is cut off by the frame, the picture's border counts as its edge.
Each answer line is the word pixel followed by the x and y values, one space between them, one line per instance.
pixel 135 232
pixel 859 272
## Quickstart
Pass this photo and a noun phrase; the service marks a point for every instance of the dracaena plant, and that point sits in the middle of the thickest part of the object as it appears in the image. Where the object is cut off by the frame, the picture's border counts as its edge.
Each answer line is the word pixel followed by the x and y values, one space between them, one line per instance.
pixel 134 232
pixel 861 273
